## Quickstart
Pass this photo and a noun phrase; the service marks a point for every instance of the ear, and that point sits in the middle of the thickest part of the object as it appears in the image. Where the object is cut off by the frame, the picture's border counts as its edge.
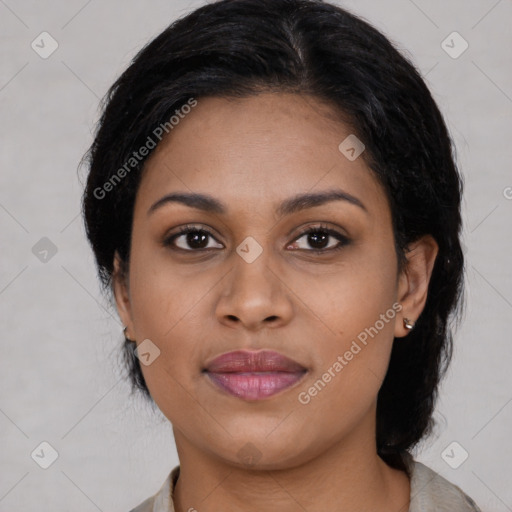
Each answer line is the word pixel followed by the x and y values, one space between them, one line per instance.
pixel 122 295
pixel 414 280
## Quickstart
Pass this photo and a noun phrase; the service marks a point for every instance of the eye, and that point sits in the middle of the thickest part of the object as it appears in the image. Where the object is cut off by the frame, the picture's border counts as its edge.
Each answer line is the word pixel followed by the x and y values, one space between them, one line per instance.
pixel 192 239
pixel 322 239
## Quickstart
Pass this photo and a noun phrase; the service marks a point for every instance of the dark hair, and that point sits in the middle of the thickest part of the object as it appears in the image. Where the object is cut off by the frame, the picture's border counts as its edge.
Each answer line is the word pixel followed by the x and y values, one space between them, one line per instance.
pixel 242 47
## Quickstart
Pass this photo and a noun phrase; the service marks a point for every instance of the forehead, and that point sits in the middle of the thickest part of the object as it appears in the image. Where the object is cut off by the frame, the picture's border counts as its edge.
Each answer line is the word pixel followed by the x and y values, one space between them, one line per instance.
pixel 257 150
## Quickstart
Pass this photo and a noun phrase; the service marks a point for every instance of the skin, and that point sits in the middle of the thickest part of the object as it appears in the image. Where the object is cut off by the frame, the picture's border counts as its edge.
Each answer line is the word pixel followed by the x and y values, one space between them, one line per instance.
pixel 252 154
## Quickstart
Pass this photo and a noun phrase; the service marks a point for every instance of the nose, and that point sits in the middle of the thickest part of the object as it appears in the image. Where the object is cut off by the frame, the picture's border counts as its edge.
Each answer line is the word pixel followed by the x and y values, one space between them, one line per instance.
pixel 254 296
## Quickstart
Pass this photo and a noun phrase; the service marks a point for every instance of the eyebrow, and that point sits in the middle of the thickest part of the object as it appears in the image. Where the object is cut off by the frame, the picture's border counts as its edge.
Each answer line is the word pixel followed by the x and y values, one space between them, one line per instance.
pixel 296 203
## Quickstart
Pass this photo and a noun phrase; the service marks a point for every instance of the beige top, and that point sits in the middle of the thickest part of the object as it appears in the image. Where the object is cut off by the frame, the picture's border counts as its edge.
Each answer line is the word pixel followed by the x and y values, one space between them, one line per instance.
pixel 430 492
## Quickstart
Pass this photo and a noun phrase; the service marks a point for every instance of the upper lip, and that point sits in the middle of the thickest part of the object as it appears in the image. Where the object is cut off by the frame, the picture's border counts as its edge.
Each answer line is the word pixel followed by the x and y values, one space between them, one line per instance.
pixel 253 361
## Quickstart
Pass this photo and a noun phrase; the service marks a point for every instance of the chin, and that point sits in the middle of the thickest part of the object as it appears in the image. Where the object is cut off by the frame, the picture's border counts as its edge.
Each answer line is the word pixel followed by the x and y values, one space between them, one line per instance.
pixel 261 452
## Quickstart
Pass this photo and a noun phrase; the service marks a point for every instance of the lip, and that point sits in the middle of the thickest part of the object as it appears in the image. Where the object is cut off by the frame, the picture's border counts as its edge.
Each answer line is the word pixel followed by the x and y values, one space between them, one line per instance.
pixel 254 375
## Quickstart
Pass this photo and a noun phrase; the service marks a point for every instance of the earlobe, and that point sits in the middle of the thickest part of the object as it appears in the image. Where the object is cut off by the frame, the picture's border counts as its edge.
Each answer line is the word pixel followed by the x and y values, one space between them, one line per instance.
pixel 414 281
pixel 121 293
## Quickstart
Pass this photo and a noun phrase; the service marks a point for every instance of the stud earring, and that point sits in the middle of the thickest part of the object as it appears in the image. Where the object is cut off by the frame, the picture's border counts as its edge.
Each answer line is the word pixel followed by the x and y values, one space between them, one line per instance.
pixel 128 340
pixel 409 324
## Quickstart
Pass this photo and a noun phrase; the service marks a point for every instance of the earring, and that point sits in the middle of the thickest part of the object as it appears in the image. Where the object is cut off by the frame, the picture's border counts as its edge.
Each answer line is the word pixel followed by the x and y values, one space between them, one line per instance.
pixel 409 324
pixel 126 339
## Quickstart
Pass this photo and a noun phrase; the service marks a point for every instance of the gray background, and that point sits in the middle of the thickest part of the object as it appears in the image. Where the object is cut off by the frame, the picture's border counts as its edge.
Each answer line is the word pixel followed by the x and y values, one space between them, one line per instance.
pixel 61 376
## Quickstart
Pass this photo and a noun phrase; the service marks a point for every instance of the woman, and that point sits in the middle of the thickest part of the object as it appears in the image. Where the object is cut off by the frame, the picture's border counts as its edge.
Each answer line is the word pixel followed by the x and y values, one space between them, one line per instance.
pixel 274 202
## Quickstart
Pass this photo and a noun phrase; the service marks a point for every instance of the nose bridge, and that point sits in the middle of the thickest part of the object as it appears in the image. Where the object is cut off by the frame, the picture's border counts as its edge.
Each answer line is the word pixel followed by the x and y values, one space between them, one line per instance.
pixel 252 276
pixel 255 292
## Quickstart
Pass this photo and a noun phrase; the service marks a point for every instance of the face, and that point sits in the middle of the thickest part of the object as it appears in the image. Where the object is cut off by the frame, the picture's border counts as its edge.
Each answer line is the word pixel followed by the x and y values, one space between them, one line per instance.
pixel 300 297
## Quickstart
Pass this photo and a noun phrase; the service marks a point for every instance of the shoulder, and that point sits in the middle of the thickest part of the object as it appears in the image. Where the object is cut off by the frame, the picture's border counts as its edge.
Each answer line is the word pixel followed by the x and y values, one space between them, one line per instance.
pixel 430 492
pixel 162 500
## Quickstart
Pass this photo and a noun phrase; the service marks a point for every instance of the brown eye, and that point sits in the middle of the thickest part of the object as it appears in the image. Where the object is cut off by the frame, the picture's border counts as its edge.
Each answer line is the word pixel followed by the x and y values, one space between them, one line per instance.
pixel 191 239
pixel 320 240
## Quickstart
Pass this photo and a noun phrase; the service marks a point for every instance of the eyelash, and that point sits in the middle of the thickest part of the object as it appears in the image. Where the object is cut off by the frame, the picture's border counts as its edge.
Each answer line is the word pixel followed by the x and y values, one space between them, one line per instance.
pixel 343 240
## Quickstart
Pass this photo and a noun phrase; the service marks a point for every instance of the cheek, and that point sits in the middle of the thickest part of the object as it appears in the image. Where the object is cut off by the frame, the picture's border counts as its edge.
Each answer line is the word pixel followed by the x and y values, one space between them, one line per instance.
pixel 356 310
pixel 166 310
pixel 354 294
pixel 161 292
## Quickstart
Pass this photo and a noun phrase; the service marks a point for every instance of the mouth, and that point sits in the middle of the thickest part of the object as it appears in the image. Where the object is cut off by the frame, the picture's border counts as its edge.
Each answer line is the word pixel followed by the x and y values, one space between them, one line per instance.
pixel 254 375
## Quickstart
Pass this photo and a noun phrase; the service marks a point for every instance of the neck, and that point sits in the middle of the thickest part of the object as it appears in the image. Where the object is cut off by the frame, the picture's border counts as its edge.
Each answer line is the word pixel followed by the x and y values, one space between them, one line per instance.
pixel 348 476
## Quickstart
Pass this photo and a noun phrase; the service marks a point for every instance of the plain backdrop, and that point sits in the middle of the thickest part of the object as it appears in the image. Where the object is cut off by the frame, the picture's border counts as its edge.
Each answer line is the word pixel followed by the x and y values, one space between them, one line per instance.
pixel 61 379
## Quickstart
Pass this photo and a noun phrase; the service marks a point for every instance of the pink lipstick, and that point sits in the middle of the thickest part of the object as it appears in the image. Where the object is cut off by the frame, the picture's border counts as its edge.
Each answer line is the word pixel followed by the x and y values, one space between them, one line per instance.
pixel 254 375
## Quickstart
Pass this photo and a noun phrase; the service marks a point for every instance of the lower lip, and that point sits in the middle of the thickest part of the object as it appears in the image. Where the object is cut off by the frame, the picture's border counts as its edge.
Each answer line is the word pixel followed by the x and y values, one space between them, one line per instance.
pixel 255 385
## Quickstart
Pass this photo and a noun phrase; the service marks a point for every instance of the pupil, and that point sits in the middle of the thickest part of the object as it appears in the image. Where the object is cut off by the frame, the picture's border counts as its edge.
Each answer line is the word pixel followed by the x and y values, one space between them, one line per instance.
pixel 197 239
pixel 316 236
